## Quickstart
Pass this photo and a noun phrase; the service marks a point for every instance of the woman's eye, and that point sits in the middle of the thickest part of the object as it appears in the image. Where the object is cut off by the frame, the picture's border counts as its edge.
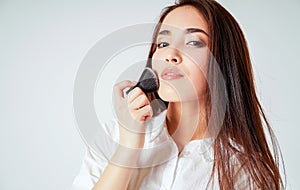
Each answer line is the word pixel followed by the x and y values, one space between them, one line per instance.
pixel 162 44
pixel 196 43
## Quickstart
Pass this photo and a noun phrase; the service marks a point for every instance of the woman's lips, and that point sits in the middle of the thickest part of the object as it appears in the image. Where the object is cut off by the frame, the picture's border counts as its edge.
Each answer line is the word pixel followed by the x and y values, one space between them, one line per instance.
pixel 171 73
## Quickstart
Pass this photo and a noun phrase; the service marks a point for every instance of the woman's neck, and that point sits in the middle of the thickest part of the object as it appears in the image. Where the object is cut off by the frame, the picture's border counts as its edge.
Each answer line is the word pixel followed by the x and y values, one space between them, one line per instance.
pixel 187 121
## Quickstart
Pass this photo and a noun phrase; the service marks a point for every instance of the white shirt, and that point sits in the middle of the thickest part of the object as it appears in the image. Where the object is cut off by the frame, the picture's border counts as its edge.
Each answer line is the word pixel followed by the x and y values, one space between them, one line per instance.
pixel 161 168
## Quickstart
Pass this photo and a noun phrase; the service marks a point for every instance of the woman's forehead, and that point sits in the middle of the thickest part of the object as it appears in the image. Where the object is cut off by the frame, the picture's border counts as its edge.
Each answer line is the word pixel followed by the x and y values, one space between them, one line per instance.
pixel 184 17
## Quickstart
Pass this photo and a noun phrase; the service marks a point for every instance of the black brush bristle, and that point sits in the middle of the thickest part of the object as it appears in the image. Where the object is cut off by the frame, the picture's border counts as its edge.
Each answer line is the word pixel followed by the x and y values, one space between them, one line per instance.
pixel 148 81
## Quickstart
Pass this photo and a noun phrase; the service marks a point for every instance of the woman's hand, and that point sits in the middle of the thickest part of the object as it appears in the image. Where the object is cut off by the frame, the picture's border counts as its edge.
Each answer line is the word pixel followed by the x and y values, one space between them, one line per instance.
pixel 132 112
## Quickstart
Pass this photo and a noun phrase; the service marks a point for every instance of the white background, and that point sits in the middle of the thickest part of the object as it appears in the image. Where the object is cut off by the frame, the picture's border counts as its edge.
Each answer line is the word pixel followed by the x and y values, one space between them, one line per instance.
pixel 43 42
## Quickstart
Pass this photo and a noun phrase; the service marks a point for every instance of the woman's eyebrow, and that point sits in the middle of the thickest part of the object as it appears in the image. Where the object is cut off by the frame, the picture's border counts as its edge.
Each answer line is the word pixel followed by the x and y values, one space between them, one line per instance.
pixel 187 31
pixel 193 30
pixel 164 32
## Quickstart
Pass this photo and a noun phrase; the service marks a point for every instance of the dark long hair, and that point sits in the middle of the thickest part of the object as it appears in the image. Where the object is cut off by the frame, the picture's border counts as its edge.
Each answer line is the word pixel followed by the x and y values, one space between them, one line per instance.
pixel 245 123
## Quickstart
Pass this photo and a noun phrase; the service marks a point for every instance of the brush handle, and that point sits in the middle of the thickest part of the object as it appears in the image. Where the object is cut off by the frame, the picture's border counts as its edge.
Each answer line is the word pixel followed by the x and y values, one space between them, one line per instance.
pixel 131 88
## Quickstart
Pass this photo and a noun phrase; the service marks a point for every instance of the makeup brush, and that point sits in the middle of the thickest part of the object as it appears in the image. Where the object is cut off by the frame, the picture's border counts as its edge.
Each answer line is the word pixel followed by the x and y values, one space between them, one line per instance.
pixel 148 81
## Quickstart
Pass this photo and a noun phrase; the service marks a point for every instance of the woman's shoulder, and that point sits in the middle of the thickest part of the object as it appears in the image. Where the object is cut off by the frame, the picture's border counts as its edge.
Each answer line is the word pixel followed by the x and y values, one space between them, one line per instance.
pixel 109 128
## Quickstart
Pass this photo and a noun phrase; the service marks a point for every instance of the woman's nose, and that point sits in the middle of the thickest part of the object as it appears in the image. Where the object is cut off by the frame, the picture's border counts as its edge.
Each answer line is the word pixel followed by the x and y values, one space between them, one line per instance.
pixel 173 56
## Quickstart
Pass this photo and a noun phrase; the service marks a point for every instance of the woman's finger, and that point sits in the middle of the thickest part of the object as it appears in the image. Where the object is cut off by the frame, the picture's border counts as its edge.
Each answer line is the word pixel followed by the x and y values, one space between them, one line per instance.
pixel 133 94
pixel 119 87
pixel 144 113
pixel 139 102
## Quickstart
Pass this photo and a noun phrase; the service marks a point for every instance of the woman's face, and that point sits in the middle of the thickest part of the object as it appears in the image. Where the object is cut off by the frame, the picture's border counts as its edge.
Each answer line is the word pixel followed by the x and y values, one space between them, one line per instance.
pixel 181 56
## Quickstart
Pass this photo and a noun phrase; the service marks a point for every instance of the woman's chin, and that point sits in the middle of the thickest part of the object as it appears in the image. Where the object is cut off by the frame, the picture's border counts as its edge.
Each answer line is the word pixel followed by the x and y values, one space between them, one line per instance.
pixel 168 93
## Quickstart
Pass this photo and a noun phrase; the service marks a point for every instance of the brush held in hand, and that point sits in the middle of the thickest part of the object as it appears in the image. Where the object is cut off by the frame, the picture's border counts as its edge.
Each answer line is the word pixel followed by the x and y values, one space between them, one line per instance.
pixel 148 81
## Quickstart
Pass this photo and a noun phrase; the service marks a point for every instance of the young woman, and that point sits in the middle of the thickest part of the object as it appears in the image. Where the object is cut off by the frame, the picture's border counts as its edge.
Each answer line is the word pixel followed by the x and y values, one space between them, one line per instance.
pixel 214 125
